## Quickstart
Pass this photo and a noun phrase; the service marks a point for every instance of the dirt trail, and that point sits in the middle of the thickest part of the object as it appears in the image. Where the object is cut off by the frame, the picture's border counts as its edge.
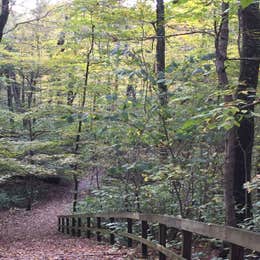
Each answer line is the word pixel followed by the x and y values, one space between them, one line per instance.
pixel 32 235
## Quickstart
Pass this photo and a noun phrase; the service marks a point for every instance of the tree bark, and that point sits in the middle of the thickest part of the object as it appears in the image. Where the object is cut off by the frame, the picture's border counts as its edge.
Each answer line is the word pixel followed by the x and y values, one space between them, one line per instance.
pixel 9 96
pixel 221 44
pixel 160 52
pixel 78 136
pixel 160 67
pixel 4 16
pixel 240 139
pixel 246 93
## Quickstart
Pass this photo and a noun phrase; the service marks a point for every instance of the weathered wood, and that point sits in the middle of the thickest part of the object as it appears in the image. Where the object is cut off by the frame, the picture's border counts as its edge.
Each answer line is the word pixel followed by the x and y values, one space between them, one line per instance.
pixel 99 227
pixel 73 224
pixel 162 239
pixel 112 235
pixel 154 246
pixel 243 238
pixel 144 227
pixel 237 252
pixel 62 224
pixel 59 224
pixel 88 230
pixel 68 225
pixel 169 221
pixel 186 244
pixel 130 231
pixel 147 242
pixel 79 223
pixel 124 215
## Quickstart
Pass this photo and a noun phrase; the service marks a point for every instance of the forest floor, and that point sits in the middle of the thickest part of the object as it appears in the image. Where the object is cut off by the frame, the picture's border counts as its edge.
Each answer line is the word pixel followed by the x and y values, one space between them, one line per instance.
pixel 33 235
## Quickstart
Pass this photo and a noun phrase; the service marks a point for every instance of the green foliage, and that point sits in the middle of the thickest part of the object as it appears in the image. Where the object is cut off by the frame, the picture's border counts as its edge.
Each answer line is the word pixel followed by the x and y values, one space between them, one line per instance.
pixel 7 200
pixel 246 3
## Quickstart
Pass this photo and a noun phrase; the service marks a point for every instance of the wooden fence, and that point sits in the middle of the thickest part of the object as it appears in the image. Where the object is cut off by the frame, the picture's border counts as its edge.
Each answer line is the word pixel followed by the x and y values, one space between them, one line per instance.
pixel 80 224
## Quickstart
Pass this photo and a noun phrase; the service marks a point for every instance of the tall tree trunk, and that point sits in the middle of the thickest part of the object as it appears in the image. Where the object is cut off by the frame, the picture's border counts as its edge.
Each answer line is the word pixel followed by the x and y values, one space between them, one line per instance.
pixel 160 52
pixel 246 92
pixel 23 91
pixel 221 44
pixel 4 16
pixel 75 177
pixel 239 140
pixel 160 67
pixel 16 91
pixel 29 180
pixel 9 96
pixel 76 188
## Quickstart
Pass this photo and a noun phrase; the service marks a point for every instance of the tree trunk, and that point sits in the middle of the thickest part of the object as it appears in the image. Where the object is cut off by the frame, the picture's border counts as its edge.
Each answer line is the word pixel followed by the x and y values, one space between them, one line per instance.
pixel 160 66
pixel 9 96
pixel 239 142
pixel 4 16
pixel 76 190
pixel 160 52
pixel 246 92
pixel 16 92
pixel 78 136
pixel 221 44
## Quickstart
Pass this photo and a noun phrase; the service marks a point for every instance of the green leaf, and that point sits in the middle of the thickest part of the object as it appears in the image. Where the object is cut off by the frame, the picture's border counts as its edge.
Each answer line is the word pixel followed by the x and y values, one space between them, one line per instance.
pixel 246 3
pixel 255 114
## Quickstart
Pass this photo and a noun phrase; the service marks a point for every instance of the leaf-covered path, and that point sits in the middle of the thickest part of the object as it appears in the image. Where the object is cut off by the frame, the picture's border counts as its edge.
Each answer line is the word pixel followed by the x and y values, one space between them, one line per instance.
pixel 31 235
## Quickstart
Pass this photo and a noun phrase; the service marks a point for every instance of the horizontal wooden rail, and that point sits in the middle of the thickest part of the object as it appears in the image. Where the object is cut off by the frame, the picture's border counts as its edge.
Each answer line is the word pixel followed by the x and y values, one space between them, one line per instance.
pixel 80 224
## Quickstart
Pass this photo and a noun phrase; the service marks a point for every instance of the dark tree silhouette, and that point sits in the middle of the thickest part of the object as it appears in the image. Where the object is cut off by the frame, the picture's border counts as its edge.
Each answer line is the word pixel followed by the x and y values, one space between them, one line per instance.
pixel 4 16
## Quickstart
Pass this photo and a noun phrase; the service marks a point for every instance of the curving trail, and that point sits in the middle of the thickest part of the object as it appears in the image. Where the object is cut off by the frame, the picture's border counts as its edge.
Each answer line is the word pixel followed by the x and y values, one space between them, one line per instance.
pixel 32 235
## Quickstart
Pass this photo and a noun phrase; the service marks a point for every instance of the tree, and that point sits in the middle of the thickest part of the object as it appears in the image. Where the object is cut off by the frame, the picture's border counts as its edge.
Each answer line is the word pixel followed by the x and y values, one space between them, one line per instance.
pixel 240 139
pixel 160 52
pixel 3 16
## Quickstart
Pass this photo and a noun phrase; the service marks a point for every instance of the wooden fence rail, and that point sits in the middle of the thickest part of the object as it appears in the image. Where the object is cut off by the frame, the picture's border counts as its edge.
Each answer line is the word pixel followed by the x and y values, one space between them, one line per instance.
pixel 80 224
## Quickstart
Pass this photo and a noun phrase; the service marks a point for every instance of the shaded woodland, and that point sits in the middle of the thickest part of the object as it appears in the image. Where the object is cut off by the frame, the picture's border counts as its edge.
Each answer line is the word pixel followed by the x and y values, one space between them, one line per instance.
pixel 133 106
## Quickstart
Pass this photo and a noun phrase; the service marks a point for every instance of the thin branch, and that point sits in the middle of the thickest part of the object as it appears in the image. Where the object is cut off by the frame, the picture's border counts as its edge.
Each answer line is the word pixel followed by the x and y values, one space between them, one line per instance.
pixel 33 20
pixel 256 102
pixel 245 58
pixel 154 37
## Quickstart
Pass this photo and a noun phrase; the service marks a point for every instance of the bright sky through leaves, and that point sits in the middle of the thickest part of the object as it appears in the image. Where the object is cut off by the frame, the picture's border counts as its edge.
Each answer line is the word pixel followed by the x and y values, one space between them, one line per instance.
pixel 23 5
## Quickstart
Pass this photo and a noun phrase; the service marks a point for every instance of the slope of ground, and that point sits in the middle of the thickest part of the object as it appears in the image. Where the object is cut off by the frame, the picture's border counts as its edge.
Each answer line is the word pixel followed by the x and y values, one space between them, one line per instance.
pixel 32 235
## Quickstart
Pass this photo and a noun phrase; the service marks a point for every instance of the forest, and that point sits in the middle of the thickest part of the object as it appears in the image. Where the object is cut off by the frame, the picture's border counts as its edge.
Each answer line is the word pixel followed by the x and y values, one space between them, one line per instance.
pixel 138 107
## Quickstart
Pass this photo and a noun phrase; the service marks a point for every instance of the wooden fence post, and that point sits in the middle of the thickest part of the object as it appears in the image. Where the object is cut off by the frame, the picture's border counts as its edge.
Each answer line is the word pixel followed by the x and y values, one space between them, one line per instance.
pixel 162 239
pixel 67 225
pixel 112 236
pixel 237 252
pixel 79 227
pixel 130 231
pixel 144 235
pixel 187 244
pixel 238 240
pixel 62 224
pixel 73 226
pixel 98 226
pixel 59 224
pixel 88 225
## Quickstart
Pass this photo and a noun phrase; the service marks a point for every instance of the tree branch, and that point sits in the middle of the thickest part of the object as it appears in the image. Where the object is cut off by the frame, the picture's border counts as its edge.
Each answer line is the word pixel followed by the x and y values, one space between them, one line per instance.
pixel 33 19
pixel 245 58
pixel 154 37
